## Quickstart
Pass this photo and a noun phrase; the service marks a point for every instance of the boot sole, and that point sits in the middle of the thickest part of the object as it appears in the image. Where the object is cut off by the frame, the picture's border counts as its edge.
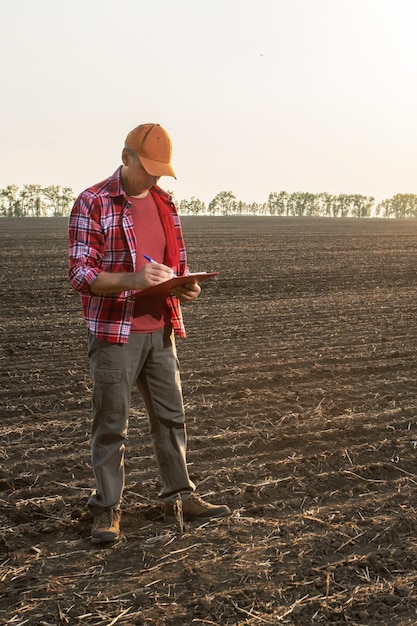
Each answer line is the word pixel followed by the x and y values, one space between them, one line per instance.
pixel 110 538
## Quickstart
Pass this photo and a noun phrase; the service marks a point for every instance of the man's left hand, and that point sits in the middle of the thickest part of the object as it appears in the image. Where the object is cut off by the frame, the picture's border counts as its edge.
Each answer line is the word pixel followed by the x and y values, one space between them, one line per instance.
pixel 187 293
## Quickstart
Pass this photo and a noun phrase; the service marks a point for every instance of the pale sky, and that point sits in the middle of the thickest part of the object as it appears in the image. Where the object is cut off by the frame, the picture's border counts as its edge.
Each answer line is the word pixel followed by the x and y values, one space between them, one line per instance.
pixel 257 95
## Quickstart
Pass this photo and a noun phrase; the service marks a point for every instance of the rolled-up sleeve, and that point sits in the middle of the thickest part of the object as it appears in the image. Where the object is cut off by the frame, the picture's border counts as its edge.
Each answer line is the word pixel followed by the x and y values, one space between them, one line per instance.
pixel 86 244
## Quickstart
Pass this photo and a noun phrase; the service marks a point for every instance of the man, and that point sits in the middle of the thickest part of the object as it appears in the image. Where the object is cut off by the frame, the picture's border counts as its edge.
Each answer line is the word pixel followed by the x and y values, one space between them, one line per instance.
pixel 114 227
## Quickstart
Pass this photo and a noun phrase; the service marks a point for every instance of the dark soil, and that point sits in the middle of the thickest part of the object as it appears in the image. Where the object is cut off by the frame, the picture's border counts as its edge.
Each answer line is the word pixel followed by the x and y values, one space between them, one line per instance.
pixel 299 375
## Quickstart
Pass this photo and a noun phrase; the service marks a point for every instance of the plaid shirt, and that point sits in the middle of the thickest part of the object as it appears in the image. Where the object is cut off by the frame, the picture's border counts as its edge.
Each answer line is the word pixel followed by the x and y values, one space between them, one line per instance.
pixel 102 238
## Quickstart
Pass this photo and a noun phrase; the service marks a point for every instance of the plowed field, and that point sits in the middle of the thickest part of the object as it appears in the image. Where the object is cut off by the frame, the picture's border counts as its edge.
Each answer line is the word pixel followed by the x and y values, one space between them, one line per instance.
pixel 299 375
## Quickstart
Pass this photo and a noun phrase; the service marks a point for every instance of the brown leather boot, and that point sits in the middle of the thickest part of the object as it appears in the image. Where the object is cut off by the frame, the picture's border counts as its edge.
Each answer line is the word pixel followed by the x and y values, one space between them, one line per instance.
pixel 106 526
pixel 196 510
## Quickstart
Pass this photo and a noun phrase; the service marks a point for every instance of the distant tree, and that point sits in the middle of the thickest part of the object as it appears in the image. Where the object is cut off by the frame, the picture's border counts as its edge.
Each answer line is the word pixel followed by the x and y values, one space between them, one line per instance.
pixel 67 200
pixel 4 204
pixel 291 205
pixel 296 204
pixel 311 204
pixel 277 203
pixel 380 209
pixel 194 206
pixel 33 204
pixel 341 205
pixel 326 202
pixel 224 203
pixel 402 205
pixel 12 204
pixel 361 205
pixel 59 199
pixel 254 208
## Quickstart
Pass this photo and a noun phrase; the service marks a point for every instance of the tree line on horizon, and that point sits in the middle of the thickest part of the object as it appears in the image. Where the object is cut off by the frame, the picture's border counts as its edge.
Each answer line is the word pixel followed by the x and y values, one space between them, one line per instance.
pixel 57 201
pixel 36 201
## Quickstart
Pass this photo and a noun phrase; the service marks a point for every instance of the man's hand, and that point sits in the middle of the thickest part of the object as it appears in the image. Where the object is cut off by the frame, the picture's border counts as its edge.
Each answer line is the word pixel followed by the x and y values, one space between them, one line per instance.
pixel 187 293
pixel 149 275
pixel 152 274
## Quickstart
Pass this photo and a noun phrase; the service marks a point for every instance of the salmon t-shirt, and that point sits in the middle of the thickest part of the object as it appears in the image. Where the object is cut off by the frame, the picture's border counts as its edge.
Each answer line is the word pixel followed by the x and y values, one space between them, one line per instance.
pixel 150 240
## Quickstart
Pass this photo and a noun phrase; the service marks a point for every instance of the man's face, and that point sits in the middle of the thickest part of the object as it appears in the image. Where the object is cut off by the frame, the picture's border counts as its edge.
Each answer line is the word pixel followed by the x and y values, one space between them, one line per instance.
pixel 135 179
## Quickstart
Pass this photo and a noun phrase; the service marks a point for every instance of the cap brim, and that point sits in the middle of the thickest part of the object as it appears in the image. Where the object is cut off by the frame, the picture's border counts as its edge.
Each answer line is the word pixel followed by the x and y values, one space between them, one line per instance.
pixel 156 168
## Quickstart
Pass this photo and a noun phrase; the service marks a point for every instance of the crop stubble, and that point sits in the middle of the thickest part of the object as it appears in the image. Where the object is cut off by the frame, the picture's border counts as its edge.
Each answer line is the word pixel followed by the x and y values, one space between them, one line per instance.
pixel 299 378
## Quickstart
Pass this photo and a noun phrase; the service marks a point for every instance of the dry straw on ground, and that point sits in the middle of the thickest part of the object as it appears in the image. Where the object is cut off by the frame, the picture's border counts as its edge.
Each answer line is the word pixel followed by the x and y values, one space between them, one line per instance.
pixel 299 377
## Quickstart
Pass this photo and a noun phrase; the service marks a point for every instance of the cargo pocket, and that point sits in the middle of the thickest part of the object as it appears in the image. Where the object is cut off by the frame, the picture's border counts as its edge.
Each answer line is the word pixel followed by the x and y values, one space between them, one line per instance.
pixel 108 390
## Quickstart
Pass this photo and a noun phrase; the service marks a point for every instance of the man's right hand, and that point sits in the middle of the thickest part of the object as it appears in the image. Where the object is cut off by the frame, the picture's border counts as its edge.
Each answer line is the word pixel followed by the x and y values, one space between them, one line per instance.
pixel 152 274
pixel 149 275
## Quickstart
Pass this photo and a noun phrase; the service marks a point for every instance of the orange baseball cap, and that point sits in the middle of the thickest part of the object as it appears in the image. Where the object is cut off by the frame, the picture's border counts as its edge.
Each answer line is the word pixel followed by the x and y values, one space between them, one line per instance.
pixel 154 148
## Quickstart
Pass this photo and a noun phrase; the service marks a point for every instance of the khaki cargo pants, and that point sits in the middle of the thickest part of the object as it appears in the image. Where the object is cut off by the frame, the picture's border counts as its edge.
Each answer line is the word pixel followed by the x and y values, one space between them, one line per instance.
pixel 150 362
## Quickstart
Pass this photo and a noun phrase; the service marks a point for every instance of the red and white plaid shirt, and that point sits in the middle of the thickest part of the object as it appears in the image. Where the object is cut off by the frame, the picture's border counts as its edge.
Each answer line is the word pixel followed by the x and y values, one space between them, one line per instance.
pixel 102 238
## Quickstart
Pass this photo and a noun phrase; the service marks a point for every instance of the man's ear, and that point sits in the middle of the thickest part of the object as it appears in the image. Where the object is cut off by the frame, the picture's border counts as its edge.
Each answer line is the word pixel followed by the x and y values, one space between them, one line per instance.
pixel 125 156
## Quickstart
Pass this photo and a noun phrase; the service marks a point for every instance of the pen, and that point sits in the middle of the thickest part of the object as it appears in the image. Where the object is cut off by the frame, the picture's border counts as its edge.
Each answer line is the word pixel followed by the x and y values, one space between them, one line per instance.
pixel 151 260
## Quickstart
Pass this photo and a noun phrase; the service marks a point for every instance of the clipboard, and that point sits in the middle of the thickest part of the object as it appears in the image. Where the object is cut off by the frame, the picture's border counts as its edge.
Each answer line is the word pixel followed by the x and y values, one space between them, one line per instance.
pixel 165 288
